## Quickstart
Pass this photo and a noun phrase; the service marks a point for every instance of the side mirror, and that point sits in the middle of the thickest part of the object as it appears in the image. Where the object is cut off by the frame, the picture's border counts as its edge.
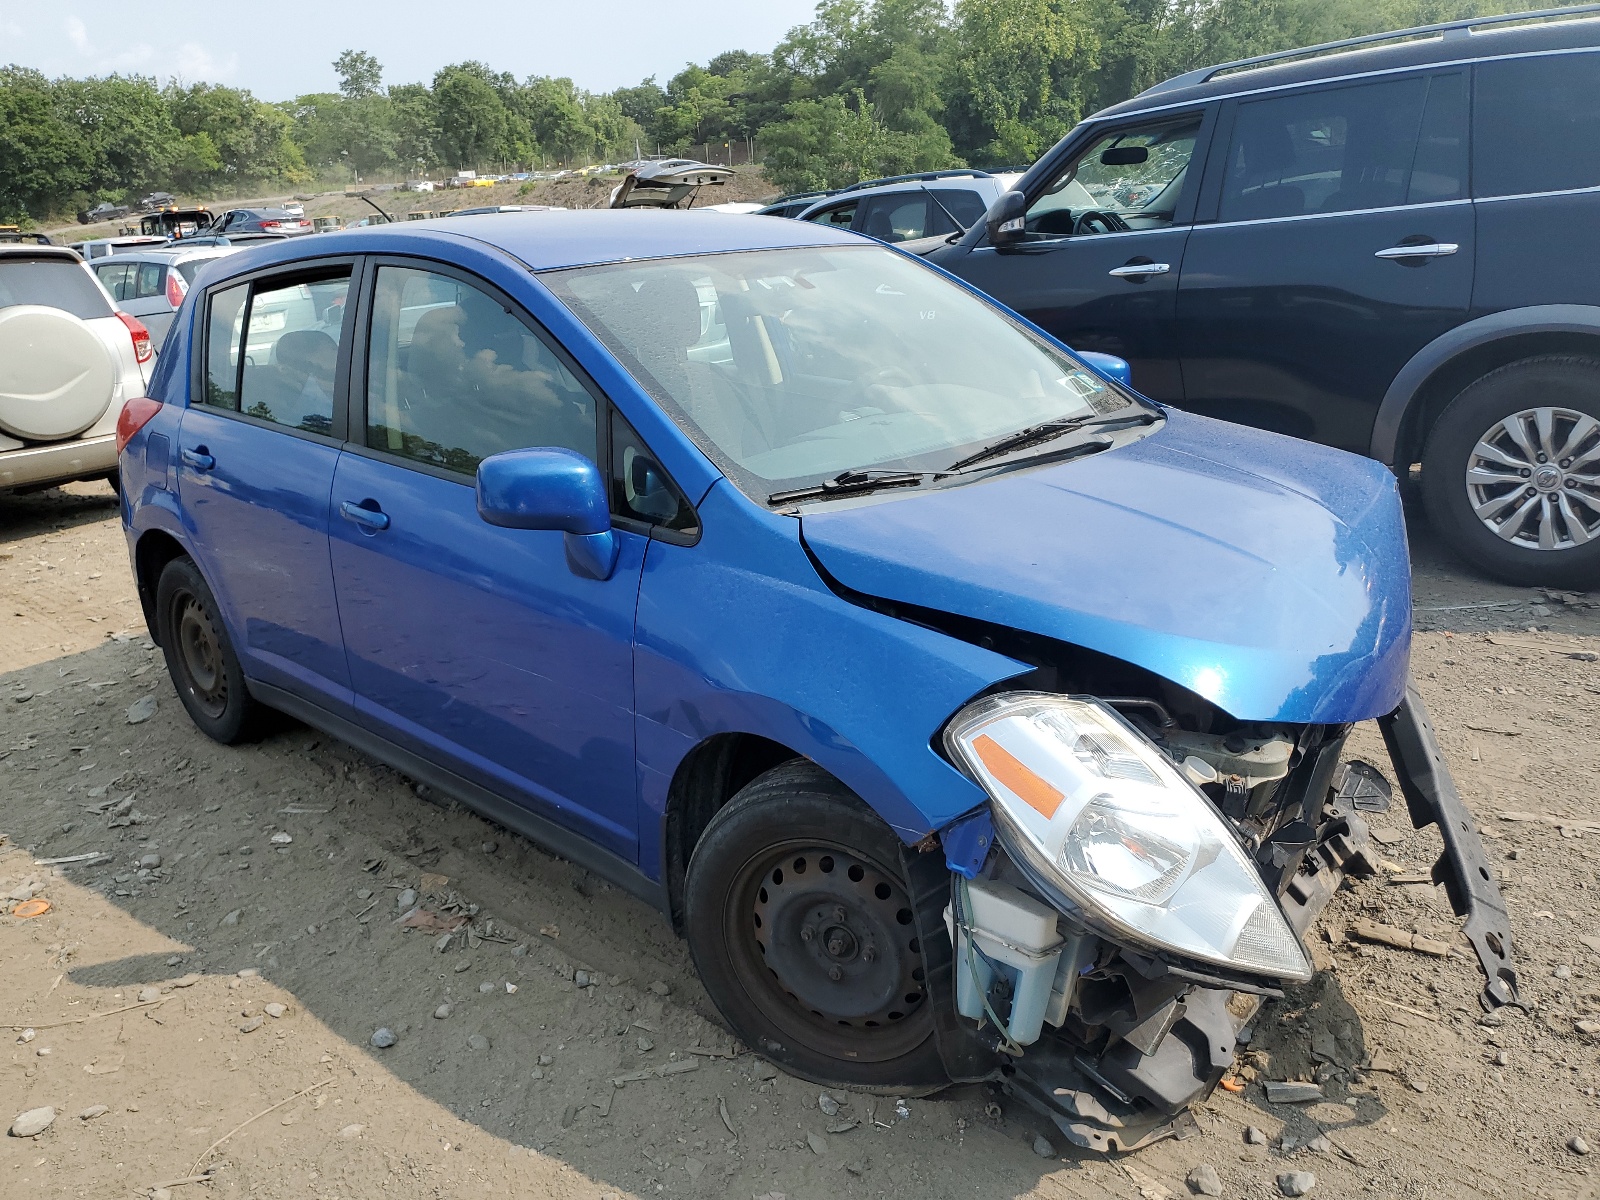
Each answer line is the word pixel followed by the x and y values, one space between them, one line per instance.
pixel 552 488
pixel 1004 220
pixel 1108 365
pixel 1124 156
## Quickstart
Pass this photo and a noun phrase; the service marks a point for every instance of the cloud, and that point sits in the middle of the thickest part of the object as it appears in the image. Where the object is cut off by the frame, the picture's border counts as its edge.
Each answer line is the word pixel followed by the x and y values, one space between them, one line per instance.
pixel 190 60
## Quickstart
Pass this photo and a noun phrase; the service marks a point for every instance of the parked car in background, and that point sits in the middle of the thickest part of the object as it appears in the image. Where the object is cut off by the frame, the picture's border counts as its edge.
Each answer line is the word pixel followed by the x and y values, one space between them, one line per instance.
pixel 975 718
pixel 157 200
pixel 174 222
pixel 259 220
pixel 907 208
pixel 503 208
pixel 151 284
pixel 419 185
pixel 1296 242
pixel 68 361
pixel 103 212
pixel 667 183
pixel 12 235
pixel 94 248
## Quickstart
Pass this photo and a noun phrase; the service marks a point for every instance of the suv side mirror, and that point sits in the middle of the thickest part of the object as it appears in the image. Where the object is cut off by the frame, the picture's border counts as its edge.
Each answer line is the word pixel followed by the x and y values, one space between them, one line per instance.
pixel 1004 220
pixel 552 488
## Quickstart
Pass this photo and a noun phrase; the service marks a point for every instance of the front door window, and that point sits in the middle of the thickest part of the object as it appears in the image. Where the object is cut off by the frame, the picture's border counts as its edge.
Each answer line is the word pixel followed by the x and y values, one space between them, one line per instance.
pixel 1127 179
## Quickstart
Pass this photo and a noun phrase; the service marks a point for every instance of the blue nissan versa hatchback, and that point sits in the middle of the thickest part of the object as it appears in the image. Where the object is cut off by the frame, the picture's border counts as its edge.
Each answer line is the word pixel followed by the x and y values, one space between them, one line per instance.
pixel 974 717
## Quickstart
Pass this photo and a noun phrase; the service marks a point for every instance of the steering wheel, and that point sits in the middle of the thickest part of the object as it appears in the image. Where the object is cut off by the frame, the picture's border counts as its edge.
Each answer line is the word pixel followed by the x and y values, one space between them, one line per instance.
pixel 1107 221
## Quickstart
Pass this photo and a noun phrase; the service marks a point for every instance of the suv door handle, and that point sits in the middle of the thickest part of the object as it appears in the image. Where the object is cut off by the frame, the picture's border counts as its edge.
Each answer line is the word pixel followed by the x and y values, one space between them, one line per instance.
pixel 199 459
pixel 1426 250
pixel 1135 270
pixel 371 518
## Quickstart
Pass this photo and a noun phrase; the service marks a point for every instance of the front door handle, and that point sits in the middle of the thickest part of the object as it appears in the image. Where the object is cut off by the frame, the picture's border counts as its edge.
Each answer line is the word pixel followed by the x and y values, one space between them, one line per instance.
pixel 370 518
pixel 1425 250
pixel 1137 270
pixel 199 459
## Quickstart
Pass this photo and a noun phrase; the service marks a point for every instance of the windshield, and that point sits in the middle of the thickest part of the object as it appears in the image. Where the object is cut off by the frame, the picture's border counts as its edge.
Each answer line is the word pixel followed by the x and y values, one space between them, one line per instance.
pixel 789 367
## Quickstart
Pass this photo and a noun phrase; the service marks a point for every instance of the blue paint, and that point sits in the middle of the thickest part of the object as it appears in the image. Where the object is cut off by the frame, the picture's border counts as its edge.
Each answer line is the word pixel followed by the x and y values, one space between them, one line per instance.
pixel 573 679
pixel 967 843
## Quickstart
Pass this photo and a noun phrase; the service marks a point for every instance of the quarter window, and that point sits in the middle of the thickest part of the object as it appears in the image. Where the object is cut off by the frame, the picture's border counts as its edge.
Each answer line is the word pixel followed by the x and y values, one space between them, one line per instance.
pixel 837 218
pixel 224 324
pixel 118 279
pixel 152 279
pixel 1374 145
pixel 453 377
pixel 1537 125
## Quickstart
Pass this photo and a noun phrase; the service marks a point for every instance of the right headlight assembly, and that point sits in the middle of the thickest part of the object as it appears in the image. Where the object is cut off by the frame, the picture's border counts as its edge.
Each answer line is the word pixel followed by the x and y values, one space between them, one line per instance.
pixel 1099 817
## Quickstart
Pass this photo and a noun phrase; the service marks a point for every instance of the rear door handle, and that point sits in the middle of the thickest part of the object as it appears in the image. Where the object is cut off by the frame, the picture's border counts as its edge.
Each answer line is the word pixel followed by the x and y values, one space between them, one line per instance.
pixel 1134 270
pixel 1426 250
pixel 371 518
pixel 199 459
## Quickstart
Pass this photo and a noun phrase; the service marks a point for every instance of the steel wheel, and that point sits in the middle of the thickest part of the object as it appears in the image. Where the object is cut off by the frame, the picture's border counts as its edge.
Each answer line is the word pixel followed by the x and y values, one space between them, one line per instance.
pixel 829 949
pixel 1534 479
pixel 205 672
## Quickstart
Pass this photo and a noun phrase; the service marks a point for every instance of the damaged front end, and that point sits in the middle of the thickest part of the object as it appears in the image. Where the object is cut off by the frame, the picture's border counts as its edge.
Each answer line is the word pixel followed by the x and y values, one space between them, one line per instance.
pixel 1140 882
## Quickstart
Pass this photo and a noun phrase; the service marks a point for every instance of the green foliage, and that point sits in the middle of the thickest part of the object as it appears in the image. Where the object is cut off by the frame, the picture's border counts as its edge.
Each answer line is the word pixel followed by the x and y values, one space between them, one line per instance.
pixel 867 87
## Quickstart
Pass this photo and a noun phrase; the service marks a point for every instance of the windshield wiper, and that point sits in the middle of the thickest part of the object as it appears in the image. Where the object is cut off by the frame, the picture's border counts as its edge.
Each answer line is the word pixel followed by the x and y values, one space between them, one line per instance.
pixel 1049 431
pixel 847 483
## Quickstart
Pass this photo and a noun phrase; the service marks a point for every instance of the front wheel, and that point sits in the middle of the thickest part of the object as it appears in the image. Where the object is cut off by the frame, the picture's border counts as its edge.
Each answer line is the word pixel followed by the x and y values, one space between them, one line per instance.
pixel 801 927
pixel 1511 472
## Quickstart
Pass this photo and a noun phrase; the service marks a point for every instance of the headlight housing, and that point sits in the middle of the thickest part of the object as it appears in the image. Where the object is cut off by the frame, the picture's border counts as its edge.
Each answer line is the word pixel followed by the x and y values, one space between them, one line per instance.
pixel 1102 821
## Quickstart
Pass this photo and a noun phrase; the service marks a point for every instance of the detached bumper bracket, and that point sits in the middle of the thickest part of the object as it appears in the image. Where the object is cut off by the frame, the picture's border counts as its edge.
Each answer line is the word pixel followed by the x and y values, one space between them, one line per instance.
pixel 1432 799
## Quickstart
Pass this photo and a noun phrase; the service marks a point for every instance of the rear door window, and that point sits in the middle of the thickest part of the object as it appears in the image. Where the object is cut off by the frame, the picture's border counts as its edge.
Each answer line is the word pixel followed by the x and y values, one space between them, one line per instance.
pixel 152 281
pixel 967 207
pixel 897 217
pixel 1537 125
pixel 53 283
pixel 1346 148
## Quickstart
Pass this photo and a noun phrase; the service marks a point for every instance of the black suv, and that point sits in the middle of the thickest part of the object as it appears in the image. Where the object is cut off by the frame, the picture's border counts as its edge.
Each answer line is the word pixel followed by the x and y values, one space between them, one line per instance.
pixel 1391 248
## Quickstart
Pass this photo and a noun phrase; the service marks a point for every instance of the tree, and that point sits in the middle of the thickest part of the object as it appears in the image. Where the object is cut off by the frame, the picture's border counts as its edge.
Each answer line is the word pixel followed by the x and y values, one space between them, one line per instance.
pixel 828 143
pixel 474 125
pixel 360 74
pixel 43 156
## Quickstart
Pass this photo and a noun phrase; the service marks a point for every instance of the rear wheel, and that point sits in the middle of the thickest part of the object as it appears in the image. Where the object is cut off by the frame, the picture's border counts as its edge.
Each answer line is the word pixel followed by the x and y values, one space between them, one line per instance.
pixel 200 658
pixel 801 928
pixel 1511 472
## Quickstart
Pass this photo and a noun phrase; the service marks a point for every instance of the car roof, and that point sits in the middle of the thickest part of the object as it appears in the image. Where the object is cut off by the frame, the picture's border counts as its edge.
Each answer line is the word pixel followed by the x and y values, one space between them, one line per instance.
pixel 1452 42
pixel 36 250
pixel 952 183
pixel 167 254
pixel 559 238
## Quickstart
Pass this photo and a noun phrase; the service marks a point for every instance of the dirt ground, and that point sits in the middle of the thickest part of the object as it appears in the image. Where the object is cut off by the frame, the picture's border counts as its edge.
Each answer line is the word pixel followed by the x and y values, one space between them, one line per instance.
pixel 593 191
pixel 154 992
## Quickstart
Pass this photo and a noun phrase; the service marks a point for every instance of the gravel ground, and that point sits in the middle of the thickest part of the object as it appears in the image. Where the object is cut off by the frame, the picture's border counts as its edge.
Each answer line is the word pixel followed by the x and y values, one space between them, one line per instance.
pixel 216 1012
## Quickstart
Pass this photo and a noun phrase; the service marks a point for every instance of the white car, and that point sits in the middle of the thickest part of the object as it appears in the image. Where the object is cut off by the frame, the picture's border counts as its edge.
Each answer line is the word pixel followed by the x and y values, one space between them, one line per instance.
pixel 908 208
pixel 68 360
pixel 151 284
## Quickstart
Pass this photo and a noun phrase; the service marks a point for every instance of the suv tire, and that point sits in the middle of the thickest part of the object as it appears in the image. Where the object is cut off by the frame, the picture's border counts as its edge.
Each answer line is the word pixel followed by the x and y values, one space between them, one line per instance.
pixel 799 922
pixel 200 658
pixel 1506 468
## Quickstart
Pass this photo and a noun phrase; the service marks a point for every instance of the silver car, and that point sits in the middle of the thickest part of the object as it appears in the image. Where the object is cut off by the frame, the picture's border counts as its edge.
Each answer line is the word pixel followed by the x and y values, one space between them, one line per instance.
pixel 151 284
pixel 68 361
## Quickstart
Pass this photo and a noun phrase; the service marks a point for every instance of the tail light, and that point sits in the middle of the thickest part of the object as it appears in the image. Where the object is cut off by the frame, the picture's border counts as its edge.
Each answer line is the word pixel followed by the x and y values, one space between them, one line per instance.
pixel 141 337
pixel 270 224
pixel 177 288
pixel 135 415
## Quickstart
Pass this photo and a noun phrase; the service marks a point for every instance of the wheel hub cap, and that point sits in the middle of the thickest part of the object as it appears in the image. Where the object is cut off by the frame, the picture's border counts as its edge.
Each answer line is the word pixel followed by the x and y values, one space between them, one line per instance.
pixel 1534 479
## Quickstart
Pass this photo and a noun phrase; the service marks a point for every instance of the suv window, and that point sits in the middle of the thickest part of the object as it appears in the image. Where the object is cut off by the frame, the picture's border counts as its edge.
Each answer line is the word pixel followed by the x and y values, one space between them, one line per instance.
pixel 897 217
pixel 275 357
pixel 1537 125
pixel 1135 174
pixel 1344 148
pixel 837 218
pixel 453 377
pixel 54 283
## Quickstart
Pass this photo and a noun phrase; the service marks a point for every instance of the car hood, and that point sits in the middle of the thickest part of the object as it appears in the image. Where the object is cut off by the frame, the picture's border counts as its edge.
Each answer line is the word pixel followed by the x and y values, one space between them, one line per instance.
pixel 1266 574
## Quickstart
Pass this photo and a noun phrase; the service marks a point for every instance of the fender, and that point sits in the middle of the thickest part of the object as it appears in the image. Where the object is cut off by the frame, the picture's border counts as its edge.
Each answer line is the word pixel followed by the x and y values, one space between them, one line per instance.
pixel 1538 318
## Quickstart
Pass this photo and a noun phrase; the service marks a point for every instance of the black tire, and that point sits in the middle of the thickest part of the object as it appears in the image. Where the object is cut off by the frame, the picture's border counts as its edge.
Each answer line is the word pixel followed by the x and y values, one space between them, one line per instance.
pixel 794 851
pixel 200 658
pixel 1539 500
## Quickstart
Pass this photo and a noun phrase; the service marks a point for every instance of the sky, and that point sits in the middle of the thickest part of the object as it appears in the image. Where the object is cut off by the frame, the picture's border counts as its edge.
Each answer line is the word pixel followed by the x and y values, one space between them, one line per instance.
pixel 280 51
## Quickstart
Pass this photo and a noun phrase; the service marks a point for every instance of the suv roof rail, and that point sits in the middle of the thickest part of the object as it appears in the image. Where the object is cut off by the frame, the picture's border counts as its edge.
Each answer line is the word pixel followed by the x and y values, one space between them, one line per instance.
pixel 1444 29
pixel 923 176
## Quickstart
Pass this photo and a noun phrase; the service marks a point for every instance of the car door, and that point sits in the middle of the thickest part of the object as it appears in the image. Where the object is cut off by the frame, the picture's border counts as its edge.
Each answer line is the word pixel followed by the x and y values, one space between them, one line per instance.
pixel 258 444
pixel 1342 244
pixel 1121 200
pixel 477 646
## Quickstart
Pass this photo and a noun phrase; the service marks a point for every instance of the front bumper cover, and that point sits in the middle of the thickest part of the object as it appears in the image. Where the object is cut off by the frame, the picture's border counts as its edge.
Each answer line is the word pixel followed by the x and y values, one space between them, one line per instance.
pixel 1084 1098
